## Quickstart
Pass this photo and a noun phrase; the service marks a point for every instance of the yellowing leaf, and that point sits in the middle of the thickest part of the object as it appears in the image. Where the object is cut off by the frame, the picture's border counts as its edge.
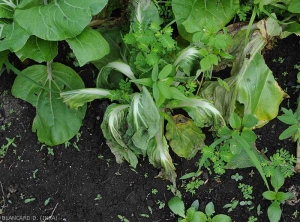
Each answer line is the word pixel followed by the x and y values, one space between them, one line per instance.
pixel 252 86
pixel 185 138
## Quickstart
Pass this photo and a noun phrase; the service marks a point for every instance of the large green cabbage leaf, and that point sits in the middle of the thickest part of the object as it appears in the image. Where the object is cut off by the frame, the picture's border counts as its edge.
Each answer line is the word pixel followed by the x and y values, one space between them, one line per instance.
pixel 192 15
pixel 58 20
pixel 52 121
pixel 159 156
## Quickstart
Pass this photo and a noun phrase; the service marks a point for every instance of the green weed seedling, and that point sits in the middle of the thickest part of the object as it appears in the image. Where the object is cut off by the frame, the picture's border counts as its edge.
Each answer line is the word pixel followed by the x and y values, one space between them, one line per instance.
pixel 292 119
pixel 295 214
pixel 192 186
pixel 246 203
pixel 276 197
pixel 154 191
pixel 161 204
pixel 47 201
pixel 98 197
pixel 28 200
pixel 4 148
pixel 34 173
pixel 145 215
pixel 280 60
pixel 236 177
pixel 281 159
pixel 193 215
pixel 122 218
pixel 247 191
pixel 244 9
pixel 252 219
pixel 231 206
pixel 50 151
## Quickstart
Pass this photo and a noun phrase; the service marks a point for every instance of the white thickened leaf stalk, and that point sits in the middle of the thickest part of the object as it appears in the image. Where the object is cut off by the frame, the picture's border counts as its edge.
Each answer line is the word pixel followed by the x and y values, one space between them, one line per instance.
pixel 78 97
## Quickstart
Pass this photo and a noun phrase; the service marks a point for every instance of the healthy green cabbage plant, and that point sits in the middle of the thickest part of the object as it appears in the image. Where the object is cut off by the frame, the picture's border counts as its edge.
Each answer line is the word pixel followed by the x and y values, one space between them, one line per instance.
pixel 31 30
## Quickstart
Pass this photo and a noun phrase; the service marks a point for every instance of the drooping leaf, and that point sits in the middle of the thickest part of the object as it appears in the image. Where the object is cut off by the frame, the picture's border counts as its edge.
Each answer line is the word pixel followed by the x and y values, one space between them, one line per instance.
pixel 143 120
pixel 114 129
pixel 88 46
pixel 54 123
pixel 252 84
pixel 185 59
pixel 201 111
pixel 102 80
pixel 260 93
pixel 269 27
pixel 159 156
pixel 38 50
pixel 144 12
pixel 185 138
pixel 78 97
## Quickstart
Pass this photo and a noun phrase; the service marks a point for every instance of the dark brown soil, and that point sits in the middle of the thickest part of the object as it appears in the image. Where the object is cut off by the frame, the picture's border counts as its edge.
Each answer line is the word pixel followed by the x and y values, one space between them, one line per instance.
pixel 72 178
